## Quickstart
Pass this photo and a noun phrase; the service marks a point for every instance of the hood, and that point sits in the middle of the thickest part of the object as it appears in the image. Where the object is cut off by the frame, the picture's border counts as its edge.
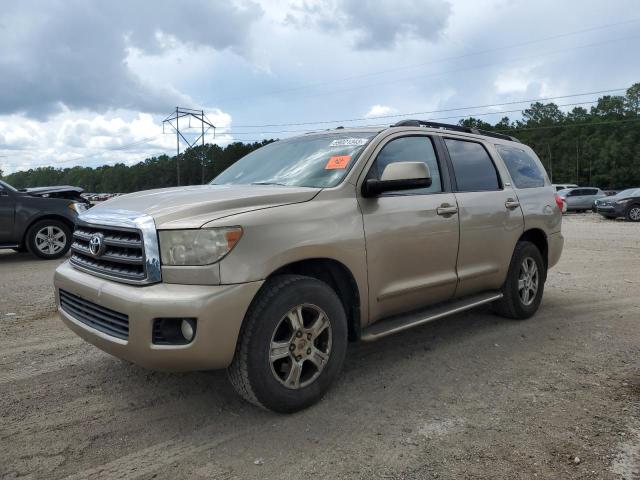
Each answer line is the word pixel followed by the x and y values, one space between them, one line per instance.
pixel 41 191
pixel 192 207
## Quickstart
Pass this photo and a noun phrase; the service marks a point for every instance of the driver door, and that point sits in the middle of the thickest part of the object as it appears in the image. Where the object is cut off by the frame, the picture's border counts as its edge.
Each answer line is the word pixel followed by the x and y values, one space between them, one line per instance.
pixel 7 213
pixel 411 236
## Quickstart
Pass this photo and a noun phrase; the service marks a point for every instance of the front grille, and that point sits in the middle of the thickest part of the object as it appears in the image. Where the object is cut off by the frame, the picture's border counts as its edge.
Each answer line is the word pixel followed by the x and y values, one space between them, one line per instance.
pixel 103 319
pixel 123 256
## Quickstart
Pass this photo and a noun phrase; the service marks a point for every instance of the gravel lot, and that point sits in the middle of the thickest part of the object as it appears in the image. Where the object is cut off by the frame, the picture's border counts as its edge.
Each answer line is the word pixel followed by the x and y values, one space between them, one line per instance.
pixel 471 396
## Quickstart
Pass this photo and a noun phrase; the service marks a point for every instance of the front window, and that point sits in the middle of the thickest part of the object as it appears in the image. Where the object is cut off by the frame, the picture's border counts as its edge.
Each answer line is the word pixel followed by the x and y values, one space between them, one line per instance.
pixel 309 161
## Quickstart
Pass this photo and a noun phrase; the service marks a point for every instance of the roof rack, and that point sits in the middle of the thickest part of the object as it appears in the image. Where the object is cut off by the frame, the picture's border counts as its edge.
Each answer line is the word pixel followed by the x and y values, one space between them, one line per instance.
pixel 456 128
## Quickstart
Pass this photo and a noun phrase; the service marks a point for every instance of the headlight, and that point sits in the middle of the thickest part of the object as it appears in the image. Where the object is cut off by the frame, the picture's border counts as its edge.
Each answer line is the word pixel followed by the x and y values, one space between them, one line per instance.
pixel 197 247
pixel 78 207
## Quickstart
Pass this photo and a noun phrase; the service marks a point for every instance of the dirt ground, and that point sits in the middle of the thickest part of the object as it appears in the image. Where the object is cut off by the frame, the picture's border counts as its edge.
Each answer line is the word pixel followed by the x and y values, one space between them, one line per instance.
pixel 470 396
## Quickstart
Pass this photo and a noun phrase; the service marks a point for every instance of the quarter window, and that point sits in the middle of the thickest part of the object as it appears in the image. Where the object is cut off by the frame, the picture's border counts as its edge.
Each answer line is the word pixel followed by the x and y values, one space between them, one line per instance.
pixel 409 149
pixel 472 165
pixel 523 168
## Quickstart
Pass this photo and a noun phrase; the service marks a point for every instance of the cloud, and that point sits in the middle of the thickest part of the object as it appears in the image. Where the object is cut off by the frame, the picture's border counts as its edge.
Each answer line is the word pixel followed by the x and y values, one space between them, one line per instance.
pixel 376 24
pixel 74 53
pixel 84 138
pixel 379 110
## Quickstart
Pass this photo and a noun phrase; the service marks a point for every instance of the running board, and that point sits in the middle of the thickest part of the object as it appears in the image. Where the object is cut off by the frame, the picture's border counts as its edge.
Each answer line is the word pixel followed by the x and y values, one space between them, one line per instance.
pixel 400 323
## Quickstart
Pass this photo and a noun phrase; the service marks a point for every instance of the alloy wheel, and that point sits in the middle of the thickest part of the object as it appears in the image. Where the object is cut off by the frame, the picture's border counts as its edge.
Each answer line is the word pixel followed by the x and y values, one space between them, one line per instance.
pixel 300 346
pixel 50 240
pixel 528 280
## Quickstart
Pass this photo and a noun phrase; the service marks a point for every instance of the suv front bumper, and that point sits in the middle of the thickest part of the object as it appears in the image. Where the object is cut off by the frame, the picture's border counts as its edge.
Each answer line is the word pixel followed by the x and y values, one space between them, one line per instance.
pixel 615 210
pixel 219 311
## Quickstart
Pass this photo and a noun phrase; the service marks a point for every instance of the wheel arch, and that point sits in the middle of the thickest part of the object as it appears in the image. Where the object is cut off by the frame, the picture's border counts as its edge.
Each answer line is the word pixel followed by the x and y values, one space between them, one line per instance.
pixel 538 237
pixel 339 278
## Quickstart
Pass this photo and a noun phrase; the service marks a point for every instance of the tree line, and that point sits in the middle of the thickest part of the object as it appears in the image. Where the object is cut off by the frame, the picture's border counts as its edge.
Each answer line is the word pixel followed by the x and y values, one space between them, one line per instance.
pixel 599 146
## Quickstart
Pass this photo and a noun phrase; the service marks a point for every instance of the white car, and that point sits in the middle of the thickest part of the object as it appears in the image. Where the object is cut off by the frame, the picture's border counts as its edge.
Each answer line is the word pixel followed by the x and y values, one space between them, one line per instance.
pixel 564 186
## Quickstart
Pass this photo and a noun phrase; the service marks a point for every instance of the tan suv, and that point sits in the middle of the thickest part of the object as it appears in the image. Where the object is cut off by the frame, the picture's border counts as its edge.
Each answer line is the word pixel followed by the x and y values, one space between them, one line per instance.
pixel 307 243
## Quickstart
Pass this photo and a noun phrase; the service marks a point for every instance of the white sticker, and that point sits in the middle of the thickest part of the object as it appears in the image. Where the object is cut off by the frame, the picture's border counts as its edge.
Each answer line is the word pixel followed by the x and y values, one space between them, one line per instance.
pixel 348 142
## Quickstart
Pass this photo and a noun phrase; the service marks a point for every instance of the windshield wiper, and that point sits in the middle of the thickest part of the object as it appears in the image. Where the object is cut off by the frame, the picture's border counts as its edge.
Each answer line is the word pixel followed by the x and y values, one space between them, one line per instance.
pixel 269 183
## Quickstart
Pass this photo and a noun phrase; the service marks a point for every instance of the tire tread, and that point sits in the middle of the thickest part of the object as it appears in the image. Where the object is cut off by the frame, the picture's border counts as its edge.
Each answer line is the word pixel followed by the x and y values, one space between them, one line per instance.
pixel 238 371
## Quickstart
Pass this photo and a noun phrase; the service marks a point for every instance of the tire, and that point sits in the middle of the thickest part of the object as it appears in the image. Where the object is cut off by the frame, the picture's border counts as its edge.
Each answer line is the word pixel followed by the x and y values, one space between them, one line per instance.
pixel 49 239
pixel 271 384
pixel 512 304
pixel 633 213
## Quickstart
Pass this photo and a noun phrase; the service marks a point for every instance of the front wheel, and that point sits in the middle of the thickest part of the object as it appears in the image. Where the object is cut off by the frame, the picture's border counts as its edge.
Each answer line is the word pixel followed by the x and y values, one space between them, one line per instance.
pixel 523 289
pixel 291 346
pixel 49 239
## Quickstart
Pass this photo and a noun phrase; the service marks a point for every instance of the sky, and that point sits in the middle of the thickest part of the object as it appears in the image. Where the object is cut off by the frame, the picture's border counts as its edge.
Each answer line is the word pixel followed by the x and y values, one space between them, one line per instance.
pixel 89 82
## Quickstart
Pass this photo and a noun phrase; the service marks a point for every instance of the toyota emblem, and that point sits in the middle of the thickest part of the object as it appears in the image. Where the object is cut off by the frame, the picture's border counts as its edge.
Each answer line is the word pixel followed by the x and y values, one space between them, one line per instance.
pixel 96 244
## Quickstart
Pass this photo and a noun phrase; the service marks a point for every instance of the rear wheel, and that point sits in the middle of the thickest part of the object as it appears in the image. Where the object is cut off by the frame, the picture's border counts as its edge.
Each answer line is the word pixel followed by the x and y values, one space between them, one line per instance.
pixel 291 346
pixel 633 213
pixel 49 239
pixel 524 286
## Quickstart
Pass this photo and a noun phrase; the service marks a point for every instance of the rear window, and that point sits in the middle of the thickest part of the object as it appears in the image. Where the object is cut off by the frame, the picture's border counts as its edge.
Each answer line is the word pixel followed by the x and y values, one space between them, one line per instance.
pixel 523 168
pixel 472 166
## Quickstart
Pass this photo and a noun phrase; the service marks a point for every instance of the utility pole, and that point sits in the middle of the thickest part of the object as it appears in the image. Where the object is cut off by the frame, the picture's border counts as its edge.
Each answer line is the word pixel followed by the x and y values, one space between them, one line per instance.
pixel 577 165
pixel 202 152
pixel 550 162
pixel 173 121
pixel 177 147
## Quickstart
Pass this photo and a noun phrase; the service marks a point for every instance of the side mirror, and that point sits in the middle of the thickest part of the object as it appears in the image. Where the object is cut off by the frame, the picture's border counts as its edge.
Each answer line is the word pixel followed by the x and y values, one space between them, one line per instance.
pixel 398 176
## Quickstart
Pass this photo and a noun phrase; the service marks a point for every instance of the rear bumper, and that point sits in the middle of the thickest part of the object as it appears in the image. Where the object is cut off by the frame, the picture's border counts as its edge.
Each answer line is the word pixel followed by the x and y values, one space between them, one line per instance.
pixel 555 243
pixel 219 311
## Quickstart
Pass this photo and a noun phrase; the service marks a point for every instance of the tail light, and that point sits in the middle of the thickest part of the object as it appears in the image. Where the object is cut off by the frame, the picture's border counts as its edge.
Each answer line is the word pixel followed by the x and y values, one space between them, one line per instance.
pixel 559 201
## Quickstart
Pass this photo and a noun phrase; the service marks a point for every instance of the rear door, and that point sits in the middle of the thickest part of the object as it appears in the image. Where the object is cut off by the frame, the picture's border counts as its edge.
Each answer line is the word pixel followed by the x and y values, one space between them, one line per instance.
pixel 491 220
pixel 411 236
pixel 7 215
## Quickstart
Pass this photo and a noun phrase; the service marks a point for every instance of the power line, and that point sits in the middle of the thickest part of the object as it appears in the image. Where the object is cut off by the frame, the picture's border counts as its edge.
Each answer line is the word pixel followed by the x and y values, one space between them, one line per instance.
pixel 472 114
pixel 359 119
pixel 441 60
pixel 569 125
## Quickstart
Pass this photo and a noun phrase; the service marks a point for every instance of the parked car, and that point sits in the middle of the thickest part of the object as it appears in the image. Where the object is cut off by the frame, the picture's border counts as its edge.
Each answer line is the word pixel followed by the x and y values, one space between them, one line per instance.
pixel 624 204
pixel 39 220
pixel 580 199
pixel 564 186
pixel 309 242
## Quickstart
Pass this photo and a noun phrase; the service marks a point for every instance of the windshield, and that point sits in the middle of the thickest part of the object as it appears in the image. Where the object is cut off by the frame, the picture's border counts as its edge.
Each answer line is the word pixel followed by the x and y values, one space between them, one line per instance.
pixel 7 186
pixel 631 192
pixel 309 161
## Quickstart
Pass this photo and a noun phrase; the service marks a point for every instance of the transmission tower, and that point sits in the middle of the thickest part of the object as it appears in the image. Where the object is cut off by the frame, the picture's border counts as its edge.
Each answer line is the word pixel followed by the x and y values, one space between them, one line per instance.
pixel 188 114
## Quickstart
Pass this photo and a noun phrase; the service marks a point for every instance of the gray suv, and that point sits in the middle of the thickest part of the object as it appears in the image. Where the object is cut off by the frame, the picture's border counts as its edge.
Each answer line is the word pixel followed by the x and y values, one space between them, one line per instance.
pixel 580 199
pixel 40 220
pixel 308 243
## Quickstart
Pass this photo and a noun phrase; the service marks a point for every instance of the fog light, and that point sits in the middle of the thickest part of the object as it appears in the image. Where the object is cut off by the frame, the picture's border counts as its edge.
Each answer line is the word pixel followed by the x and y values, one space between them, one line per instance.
pixel 186 327
pixel 174 331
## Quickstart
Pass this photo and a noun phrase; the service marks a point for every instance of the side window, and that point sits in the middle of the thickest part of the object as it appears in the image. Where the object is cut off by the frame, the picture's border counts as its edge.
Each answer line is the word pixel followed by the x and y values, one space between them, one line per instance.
pixel 409 149
pixel 523 169
pixel 472 165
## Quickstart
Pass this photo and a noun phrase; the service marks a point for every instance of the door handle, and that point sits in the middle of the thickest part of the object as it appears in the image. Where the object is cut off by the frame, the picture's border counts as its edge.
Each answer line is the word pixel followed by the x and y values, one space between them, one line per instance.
pixel 446 209
pixel 511 204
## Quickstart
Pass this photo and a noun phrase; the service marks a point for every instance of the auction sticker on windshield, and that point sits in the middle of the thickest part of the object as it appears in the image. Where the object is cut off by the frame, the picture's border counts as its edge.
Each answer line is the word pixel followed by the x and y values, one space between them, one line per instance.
pixel 348 142
pixel 338 162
